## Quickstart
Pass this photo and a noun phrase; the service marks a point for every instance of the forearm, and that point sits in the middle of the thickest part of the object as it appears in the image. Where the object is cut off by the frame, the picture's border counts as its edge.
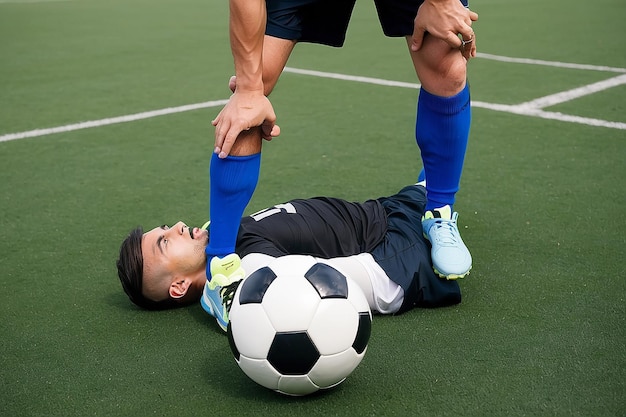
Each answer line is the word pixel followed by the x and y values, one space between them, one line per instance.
pixel 247 30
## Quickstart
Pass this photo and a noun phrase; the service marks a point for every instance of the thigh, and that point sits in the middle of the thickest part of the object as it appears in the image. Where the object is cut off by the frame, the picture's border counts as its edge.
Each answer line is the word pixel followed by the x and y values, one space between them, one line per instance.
pixel 397 16
pixel 315 21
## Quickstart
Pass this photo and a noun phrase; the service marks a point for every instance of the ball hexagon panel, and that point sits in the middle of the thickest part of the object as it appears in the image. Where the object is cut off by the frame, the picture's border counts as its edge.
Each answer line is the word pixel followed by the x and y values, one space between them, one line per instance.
pixel 296 385
pixel 290 303
pixel 260 371
pixel 334 326
pixel 333 369
pixel 294 265
pixel 252 330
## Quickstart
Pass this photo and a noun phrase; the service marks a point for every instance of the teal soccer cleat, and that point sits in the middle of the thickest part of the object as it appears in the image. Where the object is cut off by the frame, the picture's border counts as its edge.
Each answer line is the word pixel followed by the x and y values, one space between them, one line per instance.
pixel 226 275
pixel 451 258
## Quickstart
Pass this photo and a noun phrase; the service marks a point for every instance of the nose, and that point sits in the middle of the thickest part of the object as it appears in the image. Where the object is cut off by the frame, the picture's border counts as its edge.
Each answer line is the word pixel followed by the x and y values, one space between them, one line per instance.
pixel 180 227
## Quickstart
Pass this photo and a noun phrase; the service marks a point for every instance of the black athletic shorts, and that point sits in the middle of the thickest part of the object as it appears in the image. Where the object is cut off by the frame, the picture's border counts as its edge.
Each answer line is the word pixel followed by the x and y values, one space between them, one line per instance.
pixel 326 21
pixel 404 254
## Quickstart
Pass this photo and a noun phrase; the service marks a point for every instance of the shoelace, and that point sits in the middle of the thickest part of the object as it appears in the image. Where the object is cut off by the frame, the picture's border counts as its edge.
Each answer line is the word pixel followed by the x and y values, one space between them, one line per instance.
pixel 446 232
pixel 228 293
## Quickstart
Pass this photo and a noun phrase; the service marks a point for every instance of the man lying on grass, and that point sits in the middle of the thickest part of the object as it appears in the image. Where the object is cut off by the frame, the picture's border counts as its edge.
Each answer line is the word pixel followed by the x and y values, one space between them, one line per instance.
pixel 378 243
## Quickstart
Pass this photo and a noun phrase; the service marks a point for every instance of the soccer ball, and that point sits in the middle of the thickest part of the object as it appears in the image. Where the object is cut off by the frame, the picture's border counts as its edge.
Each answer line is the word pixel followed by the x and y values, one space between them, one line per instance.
pixel 298 325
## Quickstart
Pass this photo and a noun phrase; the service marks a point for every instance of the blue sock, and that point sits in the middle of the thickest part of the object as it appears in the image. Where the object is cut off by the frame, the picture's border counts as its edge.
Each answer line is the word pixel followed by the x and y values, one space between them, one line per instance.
pixel 442 132
pixel 421 176
pixel 233 180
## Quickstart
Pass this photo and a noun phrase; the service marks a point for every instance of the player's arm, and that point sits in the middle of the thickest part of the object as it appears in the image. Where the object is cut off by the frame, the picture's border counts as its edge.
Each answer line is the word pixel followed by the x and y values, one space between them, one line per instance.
pixel 446 20
pixel 248 106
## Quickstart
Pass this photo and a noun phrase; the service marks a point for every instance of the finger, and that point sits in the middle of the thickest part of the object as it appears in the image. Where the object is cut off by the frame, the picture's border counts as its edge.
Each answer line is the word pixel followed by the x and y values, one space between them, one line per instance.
pixel 468 47
pixel 416 40
pixel 269 131
pixel 232 83
pixel 218 118
pixel 473 49
pixel 229 141
pixel 268 127
pixel 221 131
pixel 473 16
pixel 466 34
pixel 466 51
pixel 453 40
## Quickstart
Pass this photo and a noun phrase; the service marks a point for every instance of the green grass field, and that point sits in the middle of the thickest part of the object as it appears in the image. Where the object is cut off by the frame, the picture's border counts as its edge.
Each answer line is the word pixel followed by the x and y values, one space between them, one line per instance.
pixel 541 330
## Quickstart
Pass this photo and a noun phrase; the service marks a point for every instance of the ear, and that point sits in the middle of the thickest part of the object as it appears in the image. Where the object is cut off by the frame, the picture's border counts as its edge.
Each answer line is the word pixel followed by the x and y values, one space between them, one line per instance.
pixel 179 288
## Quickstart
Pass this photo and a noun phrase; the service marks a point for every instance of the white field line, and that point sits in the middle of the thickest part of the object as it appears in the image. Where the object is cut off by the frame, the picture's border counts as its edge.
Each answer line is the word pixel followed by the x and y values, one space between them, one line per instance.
pixel 112 120
pixel 366 80
pixel 575 93
pixel 531 108
pixel 549 63
pixel 536 112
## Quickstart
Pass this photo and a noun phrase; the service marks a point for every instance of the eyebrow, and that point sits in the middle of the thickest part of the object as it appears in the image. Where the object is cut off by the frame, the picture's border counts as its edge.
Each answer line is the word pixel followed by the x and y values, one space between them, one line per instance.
pixel 160 240
pixel 158 244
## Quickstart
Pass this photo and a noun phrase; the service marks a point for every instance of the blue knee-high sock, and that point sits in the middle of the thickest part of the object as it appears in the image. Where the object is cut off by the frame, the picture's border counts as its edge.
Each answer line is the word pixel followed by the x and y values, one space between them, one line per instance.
pixel 233 180
pixel 421 176
pixel 442 131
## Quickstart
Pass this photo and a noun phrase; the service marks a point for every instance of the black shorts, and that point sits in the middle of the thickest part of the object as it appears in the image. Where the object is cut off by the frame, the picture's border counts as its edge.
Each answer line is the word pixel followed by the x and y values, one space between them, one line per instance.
pixel 326 21
pixel 404 254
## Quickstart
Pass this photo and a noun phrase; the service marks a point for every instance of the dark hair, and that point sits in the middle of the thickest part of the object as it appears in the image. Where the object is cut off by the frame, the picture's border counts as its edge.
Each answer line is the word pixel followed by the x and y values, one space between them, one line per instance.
pixel 130 271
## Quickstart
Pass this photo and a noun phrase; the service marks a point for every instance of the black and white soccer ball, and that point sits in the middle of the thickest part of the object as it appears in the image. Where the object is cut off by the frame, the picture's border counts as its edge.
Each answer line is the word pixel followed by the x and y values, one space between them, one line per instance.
pixel 298 326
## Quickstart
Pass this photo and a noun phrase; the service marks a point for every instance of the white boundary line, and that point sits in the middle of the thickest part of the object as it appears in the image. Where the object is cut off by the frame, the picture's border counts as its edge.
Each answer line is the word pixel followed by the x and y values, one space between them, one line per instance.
pixel 531 108
pixel 549 63
pixel 575 93
pixel 112 120
pixel 367 80
pixel 536 112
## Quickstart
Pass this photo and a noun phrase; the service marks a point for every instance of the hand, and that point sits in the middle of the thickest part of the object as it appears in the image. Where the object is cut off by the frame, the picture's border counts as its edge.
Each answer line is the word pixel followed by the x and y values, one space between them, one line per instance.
pixel 446 20
pixel 243 111
pixel 232 85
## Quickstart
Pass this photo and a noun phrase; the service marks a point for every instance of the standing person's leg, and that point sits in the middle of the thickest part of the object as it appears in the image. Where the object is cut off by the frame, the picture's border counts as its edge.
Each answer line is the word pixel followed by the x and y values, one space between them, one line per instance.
pixel 234 178
pixel 442 128
pixel 442 133
pixel 232 183
pixel 443 119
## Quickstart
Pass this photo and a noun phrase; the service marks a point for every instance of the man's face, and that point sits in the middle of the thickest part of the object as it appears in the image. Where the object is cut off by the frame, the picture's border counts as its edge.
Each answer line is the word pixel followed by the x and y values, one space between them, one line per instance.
pixel 169 254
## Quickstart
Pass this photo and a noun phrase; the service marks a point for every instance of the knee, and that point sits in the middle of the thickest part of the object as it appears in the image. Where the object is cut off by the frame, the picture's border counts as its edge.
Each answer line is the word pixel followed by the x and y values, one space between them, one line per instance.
pixel 446 77
pixel 442 70
pixel 456 73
